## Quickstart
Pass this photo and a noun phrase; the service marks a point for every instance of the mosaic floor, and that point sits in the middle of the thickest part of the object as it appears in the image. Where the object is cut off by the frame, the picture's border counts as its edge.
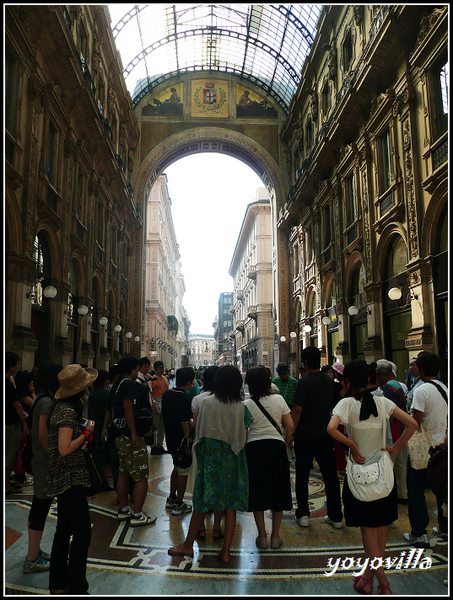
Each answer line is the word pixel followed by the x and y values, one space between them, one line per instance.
pixel 134 561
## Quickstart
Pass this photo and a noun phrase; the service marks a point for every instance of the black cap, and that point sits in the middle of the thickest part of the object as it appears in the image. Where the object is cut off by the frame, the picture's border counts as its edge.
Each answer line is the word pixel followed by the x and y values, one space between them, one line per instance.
pixel 282 367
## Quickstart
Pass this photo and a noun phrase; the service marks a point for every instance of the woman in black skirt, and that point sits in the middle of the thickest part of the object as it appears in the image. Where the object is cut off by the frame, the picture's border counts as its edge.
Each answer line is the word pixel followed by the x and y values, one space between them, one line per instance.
pixel 267 459
pixel 364 415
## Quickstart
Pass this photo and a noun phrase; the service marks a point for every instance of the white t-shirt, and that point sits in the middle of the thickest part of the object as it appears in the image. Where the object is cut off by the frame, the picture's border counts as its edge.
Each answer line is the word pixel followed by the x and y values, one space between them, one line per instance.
pixel 430 402
pixel 368 434
pixel 262 428
pixel 197 400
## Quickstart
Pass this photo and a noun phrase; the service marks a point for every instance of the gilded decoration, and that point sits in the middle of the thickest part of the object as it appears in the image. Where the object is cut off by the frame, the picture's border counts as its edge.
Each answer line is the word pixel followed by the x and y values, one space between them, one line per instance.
pixel 167 103
pixel 249 104
pixel 209 98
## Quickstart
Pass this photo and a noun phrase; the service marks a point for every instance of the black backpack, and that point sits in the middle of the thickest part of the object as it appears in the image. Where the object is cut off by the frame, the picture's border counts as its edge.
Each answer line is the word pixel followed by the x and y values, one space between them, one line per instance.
pixel 142 413
pixel 27 453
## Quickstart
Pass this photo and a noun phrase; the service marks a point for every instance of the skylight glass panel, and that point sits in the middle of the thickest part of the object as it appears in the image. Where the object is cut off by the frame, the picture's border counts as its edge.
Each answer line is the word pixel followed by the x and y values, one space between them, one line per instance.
pixel 266 44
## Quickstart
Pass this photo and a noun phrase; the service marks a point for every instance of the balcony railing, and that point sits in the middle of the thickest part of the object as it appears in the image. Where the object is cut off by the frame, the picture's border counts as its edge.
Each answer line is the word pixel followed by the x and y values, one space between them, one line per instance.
pixel 85 71
pixel 120 163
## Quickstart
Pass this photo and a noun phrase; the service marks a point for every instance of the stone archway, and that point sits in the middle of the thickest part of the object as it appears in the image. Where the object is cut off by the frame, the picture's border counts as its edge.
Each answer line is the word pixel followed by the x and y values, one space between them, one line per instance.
pixel 237 145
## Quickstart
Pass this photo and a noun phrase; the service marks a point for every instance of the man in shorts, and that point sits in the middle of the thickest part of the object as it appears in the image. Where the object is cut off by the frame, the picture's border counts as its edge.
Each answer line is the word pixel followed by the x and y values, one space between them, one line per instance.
pixel 132 450
pixel 177 415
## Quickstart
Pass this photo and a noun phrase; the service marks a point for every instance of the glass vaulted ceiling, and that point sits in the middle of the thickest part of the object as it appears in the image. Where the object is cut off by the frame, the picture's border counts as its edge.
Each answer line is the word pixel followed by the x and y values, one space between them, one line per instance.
pixel 265 44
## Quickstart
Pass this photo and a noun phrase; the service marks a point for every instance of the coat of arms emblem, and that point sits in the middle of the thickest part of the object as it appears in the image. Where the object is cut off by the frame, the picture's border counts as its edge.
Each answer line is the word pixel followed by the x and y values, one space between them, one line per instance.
pixel 209 94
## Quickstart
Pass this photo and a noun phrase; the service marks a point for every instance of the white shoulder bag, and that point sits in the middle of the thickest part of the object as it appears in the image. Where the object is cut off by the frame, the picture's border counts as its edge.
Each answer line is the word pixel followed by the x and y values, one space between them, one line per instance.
pixel 374 479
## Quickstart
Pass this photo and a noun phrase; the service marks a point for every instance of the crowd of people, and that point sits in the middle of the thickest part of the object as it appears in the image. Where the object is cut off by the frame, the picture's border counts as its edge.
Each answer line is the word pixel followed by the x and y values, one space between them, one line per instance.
pixel 332 416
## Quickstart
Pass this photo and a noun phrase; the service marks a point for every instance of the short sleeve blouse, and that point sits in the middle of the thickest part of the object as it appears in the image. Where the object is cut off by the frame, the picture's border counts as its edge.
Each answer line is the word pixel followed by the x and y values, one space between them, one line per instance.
pixel 262 428
pixel 368 434
pixel 70 470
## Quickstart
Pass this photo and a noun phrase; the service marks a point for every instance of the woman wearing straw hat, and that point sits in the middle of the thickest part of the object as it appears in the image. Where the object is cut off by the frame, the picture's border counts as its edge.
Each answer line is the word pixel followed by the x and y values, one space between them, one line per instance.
pixel 68 478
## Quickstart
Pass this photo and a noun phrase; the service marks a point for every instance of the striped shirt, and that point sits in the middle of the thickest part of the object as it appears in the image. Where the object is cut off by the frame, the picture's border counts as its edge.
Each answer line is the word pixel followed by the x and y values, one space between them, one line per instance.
pixel 286 388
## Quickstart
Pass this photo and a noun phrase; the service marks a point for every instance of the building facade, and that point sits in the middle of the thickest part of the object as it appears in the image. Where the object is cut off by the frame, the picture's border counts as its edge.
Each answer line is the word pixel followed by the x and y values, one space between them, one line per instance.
pixel 366 216
pixel 251 269
pixel 223 327
pixel 202 351
pixel 356 164
pixel 74 231
pixel 165 316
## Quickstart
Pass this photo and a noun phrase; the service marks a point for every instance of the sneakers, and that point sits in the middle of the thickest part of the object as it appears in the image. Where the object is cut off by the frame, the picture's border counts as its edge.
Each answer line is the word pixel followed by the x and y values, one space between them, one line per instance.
pixel 36 566
pixel 181 509
pixel 142 519
pixel 44 555
pixel 303 521
pixel 416 542
pixel 124 515
pixel 438 533
pixel 336 524
pixel 170 503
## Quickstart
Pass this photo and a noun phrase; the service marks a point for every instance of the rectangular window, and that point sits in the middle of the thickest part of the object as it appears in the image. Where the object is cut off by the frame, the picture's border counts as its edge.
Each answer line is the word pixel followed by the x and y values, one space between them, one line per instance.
pixel 79 195
pixel 51 143
pixel 351 200
pixel 441 95
pixel 347 52
pixel 385 162
pixel 9 94
pixel 326 99
pixel 327 227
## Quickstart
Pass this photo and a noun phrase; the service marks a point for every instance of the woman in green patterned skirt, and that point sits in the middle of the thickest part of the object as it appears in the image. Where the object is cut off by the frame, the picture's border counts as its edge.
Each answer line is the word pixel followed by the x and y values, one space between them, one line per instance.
pixel 222 477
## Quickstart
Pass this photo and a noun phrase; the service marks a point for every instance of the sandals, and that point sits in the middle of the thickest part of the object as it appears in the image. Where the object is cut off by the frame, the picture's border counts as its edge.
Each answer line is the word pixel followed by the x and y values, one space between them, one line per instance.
pixel 383 588
pixel 261 543
pixel 201 534
pixel 217 534
pixel 174 551
pixel 276 543
pixel 366 582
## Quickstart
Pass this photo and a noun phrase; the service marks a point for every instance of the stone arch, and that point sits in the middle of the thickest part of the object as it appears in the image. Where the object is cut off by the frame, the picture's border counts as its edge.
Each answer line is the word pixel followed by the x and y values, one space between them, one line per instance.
pixel 244 148
pixel 78 259
pixel 386 240
pixel 14 224
pixel 114 304
pixel 328 280
pixel 431 219
pixel 351 265
pixel 311 293
pixel 211 139
pixel 54 247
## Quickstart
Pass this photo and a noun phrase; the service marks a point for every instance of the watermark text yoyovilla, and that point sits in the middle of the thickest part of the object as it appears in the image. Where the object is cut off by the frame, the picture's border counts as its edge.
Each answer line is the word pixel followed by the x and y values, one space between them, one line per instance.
pixel 406 560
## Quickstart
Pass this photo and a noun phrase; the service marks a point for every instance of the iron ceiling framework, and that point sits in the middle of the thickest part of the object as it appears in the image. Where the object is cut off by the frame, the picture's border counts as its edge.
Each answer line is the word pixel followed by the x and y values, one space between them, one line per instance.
pixel 263 44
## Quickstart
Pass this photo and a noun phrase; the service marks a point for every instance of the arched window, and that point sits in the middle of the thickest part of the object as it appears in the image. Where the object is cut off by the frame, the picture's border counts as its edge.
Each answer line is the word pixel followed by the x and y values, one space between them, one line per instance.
pixel 94 317
pixel 397 313
pixel 42 274
pixel 73 324
pixel 358 320
pixel 39 313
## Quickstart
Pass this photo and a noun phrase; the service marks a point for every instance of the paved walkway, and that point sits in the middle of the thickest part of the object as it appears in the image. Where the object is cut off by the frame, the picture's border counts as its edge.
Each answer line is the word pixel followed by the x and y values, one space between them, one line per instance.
pixel 128 561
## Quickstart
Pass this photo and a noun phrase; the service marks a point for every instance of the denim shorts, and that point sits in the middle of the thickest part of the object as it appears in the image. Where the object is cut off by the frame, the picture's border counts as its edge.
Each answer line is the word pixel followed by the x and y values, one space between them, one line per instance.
pixel 132 460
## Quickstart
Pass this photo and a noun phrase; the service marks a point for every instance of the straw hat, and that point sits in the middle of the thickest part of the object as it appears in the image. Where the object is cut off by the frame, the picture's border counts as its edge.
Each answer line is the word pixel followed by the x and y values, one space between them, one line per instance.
pixel 74 379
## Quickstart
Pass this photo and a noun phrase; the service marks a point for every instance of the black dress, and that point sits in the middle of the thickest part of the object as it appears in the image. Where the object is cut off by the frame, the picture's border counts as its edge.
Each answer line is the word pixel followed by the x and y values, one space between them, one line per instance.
pixel 269 478
pixel 376 513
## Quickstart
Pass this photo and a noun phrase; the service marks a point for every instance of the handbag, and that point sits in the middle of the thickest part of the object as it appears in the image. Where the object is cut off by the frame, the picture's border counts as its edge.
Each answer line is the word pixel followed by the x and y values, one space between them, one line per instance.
pixel 27 452
pixel 183 455
pixel 99 482
pixel 438 471
pixel 19 466
pixel 418 448
pixel 374 479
